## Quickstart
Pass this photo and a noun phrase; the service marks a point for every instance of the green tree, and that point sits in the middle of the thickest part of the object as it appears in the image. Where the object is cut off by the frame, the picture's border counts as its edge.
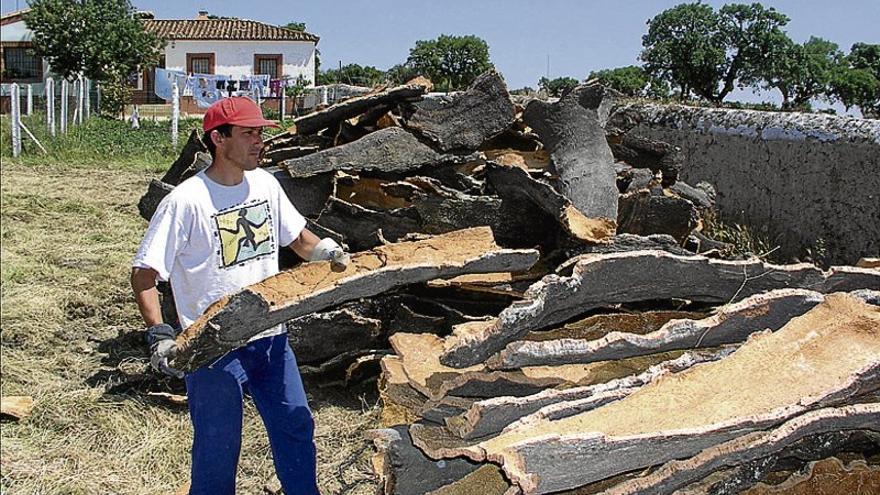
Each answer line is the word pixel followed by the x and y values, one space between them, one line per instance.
pixel 451 62
pixel 401 73
pixel 631 80
pixel 709 53
pixel 352 74
pixel 802 73
pixel 856 82
pixel 557 87
pixel 295 26
pixel 865 56
pixel 100 39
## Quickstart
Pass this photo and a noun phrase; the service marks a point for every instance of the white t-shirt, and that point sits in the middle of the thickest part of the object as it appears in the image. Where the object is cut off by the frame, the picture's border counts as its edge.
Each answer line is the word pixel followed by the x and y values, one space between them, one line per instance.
pixel 211 240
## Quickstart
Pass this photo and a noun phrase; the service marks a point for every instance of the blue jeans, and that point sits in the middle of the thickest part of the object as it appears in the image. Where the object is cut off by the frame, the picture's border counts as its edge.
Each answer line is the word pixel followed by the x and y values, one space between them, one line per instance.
pixel 267 369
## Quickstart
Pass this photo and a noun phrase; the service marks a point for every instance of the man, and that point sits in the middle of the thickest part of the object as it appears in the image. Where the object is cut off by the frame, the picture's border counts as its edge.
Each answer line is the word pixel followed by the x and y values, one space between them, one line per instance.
pixel 215 233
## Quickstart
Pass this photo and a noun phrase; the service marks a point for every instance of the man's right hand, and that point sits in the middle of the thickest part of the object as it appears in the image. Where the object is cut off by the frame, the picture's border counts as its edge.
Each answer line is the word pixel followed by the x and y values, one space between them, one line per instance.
pixel 162 349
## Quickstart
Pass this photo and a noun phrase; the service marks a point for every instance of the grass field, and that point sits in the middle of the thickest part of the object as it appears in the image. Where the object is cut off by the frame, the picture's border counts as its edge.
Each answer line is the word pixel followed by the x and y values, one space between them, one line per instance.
pixel 71 336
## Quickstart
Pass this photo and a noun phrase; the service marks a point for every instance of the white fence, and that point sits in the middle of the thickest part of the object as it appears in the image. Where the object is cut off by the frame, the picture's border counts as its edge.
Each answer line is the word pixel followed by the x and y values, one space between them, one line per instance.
pixel 67 103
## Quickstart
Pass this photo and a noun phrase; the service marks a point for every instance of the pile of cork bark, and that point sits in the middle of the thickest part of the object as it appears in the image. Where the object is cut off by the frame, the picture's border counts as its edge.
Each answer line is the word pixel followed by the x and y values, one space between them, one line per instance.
pixel 532 288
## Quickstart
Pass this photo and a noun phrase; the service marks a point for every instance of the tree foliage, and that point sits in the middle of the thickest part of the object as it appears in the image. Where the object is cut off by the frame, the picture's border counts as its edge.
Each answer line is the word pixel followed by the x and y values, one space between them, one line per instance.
pixel 99 38
pixel 295 26
pixel 856 82
pixel 557 87
pixel 708 53
pixel 802 72
pixel 352 74
pixel 401 73
pixel 631 80
pixel 451 62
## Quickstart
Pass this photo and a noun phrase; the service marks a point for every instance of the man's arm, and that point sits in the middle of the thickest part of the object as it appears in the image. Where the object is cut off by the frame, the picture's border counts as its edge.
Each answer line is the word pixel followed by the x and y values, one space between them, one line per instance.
pixel 310 248
pixel 160 336
pixel 143 283
pixel 304 245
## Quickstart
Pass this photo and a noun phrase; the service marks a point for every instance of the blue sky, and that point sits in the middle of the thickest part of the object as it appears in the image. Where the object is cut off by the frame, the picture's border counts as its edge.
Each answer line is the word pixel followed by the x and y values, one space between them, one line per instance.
pixel 577 36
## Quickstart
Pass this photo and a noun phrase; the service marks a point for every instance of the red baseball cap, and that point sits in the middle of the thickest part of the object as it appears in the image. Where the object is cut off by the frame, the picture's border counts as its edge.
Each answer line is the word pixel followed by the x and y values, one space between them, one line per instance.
pixel 237 110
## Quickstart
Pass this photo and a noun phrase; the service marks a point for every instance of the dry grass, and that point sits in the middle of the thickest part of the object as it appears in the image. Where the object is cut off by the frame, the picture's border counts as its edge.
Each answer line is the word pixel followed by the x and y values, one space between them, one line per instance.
pixel 71 339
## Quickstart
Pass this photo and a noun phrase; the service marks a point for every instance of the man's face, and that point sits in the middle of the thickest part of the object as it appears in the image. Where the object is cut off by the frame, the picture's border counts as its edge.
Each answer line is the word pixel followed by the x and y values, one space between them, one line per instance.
pixel 242 147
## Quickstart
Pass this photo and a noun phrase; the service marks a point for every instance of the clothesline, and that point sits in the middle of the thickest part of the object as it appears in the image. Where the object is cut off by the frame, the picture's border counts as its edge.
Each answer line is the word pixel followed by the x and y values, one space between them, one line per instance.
pixel 208 88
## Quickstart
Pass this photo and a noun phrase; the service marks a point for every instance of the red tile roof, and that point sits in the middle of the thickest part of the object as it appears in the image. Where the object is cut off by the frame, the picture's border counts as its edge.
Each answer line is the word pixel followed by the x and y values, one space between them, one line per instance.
pixel 223 29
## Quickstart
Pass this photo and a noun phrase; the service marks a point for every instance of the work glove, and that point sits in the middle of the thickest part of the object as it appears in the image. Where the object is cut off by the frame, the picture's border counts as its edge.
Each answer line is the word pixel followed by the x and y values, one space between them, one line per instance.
pixel 328 249
pixel 162 349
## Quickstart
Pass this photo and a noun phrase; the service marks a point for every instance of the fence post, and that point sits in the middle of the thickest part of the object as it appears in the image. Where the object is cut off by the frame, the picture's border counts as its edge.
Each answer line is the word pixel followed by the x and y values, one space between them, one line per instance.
pixel 98 99
pixel 79 99
pixel 50 105
pixel 30 100
pixel 175 111
pixel 64 90
pixel 88 104
pixel 283 106
pixel 15 108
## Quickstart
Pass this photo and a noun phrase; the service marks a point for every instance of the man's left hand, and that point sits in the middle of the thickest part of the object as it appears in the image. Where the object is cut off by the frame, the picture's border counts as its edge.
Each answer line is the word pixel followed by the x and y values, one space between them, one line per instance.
pixel 328 249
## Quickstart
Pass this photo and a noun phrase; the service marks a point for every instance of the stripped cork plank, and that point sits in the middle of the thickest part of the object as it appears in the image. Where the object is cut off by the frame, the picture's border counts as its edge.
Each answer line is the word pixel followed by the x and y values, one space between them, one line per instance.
pixel 821 359
pixel 601 280
pixel 732 324
pixel 679 473
pixel 231 321
pixel 490 416
pixel 420 354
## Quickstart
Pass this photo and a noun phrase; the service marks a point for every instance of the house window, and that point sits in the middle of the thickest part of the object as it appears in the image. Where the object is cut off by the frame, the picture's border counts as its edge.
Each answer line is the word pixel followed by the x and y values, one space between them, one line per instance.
pixel 268 64
pixel 200 63
pixel 20 63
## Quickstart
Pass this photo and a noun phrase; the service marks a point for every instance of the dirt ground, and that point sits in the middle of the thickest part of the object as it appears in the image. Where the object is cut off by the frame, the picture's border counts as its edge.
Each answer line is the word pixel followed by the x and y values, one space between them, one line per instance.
pixel 71 338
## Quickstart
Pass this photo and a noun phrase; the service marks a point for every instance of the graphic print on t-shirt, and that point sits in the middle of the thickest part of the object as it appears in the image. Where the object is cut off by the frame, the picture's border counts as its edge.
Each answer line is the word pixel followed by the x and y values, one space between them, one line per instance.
pixel 244 233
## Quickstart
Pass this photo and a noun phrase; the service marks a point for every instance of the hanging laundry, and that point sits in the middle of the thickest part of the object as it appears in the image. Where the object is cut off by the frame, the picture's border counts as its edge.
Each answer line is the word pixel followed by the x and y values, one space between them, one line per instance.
pixel 262 82
pixel 208 89
pixel 184 84
pixel 162 84
pixel 275 88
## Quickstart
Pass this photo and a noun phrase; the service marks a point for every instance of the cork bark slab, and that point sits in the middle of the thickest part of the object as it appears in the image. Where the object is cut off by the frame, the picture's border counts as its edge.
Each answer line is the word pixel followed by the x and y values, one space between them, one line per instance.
pixel 526 160
pixel 400 401
pixel 795 457
pixel 579 153
pixel 597 326
pixel 516 185
pixel 277 155
pixel 493 415
pixel 229 322
pixel 679 473
pixel 420 355
pixel 820 359
pixel 647 212
pixel 625 242
pixel 404 470
pixel 464 120
pixel 487 480
pixel 732 324
pixel 607 279
pixel 366 324
pixel 827 477
pixel 16 406
pixel 193 157
pixel 352 107
pixel 390 150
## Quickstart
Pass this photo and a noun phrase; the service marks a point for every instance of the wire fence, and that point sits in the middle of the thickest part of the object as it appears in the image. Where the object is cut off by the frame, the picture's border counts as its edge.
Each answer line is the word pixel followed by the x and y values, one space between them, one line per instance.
pixel 62 104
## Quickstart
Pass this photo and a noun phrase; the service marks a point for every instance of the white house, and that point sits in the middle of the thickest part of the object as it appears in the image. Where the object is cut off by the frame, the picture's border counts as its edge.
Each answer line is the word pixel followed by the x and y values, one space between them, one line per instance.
pixel 18 64
pixel 230 47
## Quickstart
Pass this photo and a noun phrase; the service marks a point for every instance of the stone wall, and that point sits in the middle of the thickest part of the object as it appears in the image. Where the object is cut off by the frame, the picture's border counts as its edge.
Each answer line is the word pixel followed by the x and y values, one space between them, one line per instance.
pixel 802 180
